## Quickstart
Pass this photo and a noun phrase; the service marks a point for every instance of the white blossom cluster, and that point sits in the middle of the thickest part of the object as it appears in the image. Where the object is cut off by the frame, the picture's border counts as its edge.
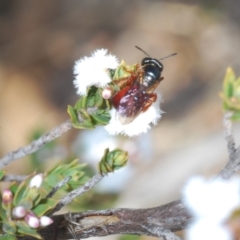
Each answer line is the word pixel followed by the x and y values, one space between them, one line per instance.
pixel 211 202
pixel 91 71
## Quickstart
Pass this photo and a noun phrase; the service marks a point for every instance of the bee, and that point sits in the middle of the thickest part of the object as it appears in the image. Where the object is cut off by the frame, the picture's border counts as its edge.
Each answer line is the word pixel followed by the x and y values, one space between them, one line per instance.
pixel 138 95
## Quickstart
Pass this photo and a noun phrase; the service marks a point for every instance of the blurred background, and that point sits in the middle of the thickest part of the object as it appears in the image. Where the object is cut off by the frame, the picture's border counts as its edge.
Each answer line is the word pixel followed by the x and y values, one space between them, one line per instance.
pixel 41 40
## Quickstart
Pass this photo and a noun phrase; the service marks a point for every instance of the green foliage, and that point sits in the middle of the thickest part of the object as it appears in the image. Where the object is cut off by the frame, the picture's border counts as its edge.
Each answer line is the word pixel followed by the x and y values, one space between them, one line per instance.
pixel 44 206
pixel 7 237
pixel 231 94
pixel 23 194
pixel 9 227
pixel 90 111
pixel 34 200
pixel 129 237
pixel 60 171
pixel 37 159
pixel 112 160
pixel 3 215
pixel 2 173
pixel 24 229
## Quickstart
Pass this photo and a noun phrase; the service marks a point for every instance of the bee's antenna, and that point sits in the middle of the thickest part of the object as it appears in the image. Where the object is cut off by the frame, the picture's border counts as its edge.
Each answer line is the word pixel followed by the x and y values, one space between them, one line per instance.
pixel 170 55
pixel 142 51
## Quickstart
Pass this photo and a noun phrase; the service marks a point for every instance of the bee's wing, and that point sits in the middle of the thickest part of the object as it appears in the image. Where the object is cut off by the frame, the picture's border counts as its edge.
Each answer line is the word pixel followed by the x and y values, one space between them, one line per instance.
pixel 128 110
pixel 131 105
pixel 123 102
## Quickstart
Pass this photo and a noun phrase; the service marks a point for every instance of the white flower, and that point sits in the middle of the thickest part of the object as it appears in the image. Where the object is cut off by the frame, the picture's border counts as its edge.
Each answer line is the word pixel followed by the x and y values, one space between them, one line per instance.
pixel 207 230
pixel 141 124
pixel 212 198
pixel 93 70
pixel 211 203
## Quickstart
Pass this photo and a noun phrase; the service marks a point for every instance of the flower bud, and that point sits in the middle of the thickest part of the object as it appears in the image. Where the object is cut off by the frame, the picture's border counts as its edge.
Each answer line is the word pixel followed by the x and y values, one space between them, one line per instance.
pixel 107 93
pixel 19 212
pixel 32 220
pixel 112 160
pixel 119 158
pixel 36 181
pixel 45 221
pixel 7 196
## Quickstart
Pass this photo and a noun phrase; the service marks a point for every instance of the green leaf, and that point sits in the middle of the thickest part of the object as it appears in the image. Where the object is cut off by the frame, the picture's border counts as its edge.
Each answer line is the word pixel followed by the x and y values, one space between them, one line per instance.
pixel 7 237
pixel 90 110
pixel 21 190
pixel 53 179
pixel 81 103
pixel 9 227
pixel 228 82
pixel 73 114
pixel 24 229
pixel 44 206
pixel 26 202
pixel 99 101
pixel 76 184
pixel 2 173
pixel 231 94
pixel 3 214
pixel 85 121
pixel 101 117
pixel 236 116
pixel 14 187
pixel 91 101
pixel 33 194
pixel 85 125
pixel 53 169
pixel 59 172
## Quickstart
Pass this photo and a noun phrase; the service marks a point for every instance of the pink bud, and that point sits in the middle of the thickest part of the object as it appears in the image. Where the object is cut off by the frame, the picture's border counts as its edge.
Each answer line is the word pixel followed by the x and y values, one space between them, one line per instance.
pixel 36 181
pixel 19 212
pixel 45 221
pixel 32 220
pixel 106 93
pixel 7 196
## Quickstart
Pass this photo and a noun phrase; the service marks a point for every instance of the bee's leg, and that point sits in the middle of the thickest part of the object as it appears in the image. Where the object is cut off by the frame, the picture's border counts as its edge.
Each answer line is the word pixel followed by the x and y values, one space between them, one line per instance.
pixel 149 102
